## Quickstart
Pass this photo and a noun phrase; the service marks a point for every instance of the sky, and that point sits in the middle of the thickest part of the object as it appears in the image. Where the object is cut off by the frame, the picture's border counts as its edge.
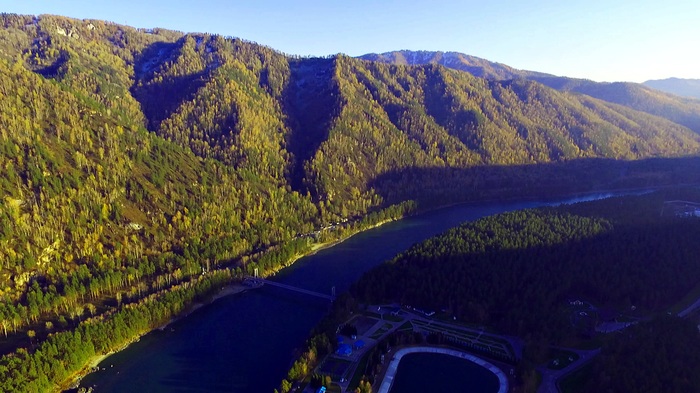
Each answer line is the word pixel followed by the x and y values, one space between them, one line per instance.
pixel 608 40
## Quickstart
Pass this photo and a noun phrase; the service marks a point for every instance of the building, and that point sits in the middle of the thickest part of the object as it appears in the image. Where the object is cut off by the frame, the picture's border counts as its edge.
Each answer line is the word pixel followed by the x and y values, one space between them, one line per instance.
pixel 344 350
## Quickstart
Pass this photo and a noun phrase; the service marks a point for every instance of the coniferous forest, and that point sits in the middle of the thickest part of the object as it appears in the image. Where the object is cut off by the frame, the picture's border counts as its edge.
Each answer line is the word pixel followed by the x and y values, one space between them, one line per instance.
pixel 142 169
pixel 516 271
pixel 625 258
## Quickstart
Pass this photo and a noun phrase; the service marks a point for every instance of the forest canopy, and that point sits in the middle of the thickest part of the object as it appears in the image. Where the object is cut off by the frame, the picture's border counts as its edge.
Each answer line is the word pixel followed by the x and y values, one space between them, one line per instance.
pixel 518 271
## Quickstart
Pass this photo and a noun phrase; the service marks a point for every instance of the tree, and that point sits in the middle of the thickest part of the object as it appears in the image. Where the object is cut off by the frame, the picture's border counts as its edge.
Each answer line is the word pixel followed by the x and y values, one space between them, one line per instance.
pixel 285 386
pixel 91 308
pixel 364 387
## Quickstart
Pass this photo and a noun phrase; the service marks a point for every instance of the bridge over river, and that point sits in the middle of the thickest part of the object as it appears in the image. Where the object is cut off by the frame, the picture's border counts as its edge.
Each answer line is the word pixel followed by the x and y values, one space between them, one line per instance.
pixel 258 282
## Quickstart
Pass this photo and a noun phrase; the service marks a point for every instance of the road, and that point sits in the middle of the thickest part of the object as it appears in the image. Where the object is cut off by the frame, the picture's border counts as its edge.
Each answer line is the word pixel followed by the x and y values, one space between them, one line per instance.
pixel 550 377
pixel 690 309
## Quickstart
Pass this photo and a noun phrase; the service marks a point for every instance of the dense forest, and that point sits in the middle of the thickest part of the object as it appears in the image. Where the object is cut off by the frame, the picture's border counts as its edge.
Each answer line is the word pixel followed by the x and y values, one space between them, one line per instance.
pixel 662 355
pixel 518 271
pixel 143 167
pixel 622 259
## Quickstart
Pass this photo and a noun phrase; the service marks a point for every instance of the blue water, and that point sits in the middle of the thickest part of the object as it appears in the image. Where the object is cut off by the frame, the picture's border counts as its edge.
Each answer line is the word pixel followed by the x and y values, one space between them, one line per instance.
pixel 434 372
pixel 246 342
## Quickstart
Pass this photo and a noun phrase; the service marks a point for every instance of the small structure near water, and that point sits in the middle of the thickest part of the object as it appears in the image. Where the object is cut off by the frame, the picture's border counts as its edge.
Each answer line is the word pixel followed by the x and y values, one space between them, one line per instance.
pixel 359 344
pixel 344 350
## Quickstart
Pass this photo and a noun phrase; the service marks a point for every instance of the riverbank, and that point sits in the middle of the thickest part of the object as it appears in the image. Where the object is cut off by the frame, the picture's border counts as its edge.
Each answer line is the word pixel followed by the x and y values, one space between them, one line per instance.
pixel 235 287
pixel 320 246
pixel 94 362
pixel 351 230
pixel 230 289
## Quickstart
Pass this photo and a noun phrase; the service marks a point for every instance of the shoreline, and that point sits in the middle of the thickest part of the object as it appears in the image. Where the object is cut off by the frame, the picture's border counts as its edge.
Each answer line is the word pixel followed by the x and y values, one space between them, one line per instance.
pixel 235 287
pixel 622 191
pixel 230 289
pixel 73 382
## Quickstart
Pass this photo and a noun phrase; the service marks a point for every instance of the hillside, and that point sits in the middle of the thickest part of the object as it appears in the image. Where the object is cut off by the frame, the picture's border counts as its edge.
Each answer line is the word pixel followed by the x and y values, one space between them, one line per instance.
pixel 681 87
pixel 636 96
pixel 137 164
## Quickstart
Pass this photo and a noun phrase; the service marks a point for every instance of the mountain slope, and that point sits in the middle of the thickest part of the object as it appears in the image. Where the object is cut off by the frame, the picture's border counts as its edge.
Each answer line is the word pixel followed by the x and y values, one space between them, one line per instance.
pixel 681 87
pixel 334 127
pixel 633 95
pixel 399 117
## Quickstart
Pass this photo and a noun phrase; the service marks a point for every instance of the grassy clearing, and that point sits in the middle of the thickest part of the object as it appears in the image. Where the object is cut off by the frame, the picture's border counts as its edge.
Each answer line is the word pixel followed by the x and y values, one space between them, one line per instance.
pixel 334 388
pixel 334 367
pixel 372 314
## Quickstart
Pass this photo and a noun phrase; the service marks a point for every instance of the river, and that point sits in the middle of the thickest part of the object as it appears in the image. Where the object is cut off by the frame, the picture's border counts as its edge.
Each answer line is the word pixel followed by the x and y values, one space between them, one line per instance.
pixel 246 342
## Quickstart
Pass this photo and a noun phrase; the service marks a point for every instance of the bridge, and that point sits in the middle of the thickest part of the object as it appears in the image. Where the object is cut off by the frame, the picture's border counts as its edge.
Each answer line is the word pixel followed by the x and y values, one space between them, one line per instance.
pixel 258 282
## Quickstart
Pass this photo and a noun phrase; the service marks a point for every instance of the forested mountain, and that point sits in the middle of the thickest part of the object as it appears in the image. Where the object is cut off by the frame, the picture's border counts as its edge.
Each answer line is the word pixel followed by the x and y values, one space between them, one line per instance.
pixel 136 162
pixel 636 96
pixel 459 61
pixel 681 87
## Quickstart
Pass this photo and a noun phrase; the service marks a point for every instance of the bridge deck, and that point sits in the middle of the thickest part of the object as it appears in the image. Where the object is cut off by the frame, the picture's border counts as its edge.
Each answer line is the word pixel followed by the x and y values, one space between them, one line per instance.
pixel 292 288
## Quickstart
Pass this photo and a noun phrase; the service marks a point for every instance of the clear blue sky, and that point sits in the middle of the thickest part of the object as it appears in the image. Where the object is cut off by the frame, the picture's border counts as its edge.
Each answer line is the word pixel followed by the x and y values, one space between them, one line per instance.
pixel 603 40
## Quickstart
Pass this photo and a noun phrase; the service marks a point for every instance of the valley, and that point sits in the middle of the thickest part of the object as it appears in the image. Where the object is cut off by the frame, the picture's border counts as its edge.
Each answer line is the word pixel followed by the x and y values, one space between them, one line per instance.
pixel 145 169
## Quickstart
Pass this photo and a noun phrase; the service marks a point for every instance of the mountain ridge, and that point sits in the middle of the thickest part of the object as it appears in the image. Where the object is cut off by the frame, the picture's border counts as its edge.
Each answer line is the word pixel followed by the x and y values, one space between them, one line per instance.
pixel 632 95
pixel 474 65
pixel 689 88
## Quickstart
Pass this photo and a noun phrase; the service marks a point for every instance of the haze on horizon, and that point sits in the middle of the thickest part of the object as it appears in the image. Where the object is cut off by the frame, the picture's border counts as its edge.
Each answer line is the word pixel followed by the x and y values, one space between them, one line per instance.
pixel 616 40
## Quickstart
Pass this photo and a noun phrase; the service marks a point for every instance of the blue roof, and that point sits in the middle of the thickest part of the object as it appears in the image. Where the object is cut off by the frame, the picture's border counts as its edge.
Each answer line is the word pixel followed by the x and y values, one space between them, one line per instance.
pixel 359 343
pixel 343 349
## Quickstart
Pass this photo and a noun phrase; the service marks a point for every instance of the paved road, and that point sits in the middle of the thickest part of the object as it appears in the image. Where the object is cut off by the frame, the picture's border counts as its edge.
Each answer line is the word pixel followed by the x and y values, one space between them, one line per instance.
pixel 550 377
pixel 690 309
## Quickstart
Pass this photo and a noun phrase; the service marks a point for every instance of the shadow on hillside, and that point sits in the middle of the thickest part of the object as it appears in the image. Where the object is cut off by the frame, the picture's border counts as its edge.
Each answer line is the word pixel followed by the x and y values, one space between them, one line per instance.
pixel 160 98
pixel 440 186
pixel 311 99
pixel 54 69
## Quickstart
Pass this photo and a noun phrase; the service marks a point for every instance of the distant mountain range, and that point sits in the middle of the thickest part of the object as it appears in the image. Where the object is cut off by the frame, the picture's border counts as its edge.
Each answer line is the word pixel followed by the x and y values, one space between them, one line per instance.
pixel 640 97
pixel 680 87
pixel 458 61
